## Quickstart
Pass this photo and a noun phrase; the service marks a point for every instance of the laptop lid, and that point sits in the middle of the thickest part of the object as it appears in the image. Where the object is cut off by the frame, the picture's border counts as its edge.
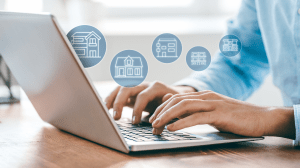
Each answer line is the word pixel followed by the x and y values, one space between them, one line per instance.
pixel 45 65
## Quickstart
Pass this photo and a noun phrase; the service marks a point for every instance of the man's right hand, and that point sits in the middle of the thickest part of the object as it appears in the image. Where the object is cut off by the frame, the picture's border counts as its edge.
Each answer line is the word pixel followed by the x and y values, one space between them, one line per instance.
pixel 144 97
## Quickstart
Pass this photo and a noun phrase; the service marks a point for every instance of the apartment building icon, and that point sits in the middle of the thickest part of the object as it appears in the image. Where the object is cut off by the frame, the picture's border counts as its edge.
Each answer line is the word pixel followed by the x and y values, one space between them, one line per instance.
pixel 230 45
pixel 166 47
pixel 198 58
pixel 86 44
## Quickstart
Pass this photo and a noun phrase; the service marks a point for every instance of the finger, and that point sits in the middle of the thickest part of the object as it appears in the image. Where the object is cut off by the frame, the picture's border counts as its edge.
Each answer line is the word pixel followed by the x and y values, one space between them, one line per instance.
pixel 154 91
pixel 160 108
pixel 179 95
pixel 203 95
pixel 111 97
pixel 130 102
pixel 194 119
pixel 122 99
pixel 177 100
pixel 157 131
pixel 210 96
pixel 170 102
pixel 183 107
pixel 166 97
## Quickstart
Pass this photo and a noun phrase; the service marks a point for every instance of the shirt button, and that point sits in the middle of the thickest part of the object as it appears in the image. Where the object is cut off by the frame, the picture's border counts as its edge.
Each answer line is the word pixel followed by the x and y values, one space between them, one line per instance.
pixel 299 11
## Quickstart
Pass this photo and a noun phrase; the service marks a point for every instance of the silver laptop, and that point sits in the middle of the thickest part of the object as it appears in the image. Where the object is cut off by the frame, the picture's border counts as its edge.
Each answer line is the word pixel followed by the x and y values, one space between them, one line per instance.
pixel 45 65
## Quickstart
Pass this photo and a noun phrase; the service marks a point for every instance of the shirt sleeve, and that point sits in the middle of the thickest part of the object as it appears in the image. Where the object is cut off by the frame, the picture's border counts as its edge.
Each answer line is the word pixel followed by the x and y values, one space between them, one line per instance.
pixel 238 76
pixel 297 124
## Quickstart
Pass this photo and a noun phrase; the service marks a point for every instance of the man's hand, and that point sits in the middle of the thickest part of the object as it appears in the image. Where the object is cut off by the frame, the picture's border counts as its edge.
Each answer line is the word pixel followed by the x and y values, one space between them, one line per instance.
pixel 145 97
pixel 224 113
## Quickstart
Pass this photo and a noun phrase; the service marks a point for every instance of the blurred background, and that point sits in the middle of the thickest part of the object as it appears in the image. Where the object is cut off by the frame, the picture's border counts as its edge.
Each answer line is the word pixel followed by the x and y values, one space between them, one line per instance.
pixel 134 24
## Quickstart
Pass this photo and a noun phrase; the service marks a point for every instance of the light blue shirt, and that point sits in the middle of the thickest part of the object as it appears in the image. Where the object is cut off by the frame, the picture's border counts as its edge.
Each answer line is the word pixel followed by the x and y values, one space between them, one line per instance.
pixel 269 31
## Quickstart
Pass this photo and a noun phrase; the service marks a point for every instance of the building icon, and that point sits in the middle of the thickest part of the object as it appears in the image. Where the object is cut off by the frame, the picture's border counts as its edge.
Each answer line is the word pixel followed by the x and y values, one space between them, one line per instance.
pixel 86 44
pixel 198 58
pixel 128 67
pixel 166 47
pixel 230 45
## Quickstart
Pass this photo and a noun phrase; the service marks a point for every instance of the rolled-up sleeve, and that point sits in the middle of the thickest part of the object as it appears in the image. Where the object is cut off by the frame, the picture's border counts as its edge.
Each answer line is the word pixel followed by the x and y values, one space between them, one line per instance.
pixel 297 124
pixel 238 76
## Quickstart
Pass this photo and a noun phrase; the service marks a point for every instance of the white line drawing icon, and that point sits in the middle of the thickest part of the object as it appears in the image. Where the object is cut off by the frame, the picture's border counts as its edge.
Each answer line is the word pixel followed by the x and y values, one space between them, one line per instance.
pixel 128 67
pixel 230 45
pixel 166 47
pixel 86 44
pixel 198 58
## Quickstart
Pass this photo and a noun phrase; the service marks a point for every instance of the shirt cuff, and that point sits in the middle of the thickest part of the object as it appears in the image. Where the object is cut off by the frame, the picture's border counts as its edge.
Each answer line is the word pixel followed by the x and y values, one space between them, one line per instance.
pixel 297 124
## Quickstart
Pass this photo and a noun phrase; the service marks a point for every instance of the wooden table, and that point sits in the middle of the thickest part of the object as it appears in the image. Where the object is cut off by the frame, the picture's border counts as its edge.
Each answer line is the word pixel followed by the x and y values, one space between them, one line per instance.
pixel 27 141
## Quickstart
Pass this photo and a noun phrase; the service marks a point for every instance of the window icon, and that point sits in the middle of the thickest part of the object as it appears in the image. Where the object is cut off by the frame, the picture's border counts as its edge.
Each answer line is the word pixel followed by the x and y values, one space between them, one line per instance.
pixel 198 58
pixel 230 45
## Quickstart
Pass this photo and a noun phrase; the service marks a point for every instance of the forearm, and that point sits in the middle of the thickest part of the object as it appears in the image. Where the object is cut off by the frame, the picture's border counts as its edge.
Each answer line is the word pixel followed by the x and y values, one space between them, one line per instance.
pixel 280 122
pixel 228 77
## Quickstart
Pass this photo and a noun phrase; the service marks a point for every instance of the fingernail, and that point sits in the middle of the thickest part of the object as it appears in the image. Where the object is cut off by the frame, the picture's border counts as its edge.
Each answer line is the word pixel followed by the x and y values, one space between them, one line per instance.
pixel 115 113
pixel 133 119
pixel 156 122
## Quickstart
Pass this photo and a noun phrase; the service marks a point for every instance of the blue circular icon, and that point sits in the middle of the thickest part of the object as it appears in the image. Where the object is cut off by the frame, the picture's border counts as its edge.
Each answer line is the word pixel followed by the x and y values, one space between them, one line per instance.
pixel 129 68
pixel 230 45
pixel 88 43
pixel 198 58
pixel 166 48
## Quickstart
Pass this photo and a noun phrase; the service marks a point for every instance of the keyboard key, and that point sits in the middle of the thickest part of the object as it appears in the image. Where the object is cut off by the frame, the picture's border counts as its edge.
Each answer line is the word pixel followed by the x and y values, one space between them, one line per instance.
pixel 139 133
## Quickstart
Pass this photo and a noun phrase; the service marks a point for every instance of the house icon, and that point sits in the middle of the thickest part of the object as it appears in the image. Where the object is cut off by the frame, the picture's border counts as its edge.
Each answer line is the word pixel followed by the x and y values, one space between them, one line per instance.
pixel 86 44
pixel 198 58
pixel 230 45
pixel 166 47
pixel 128 67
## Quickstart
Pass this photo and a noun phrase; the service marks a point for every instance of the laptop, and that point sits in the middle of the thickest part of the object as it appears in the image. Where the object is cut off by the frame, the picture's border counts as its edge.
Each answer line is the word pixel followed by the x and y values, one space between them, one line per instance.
pixel 46 66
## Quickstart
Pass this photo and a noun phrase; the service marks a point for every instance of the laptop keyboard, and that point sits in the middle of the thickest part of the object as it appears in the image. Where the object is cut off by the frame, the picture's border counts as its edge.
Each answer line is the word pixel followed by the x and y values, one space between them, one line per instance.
pixel 140 133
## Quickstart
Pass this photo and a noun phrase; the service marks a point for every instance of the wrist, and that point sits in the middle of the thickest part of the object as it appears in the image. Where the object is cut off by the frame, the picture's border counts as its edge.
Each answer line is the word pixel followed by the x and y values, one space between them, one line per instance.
pixel 280 122
pixel 184 89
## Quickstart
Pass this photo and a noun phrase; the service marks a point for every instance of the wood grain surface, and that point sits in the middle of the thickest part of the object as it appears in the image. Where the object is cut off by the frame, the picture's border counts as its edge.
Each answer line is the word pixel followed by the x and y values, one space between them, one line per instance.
pixel 27 141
